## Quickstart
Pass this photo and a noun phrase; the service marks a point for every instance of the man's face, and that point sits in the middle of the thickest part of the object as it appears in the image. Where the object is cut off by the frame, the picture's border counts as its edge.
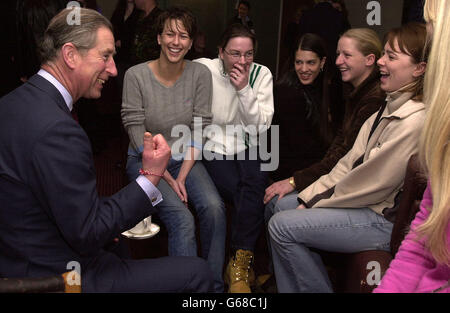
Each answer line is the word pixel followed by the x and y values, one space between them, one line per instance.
pixel 96 65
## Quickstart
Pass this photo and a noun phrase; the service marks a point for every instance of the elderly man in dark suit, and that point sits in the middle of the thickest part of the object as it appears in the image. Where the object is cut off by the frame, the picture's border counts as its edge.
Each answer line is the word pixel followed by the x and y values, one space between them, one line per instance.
pixel 50 213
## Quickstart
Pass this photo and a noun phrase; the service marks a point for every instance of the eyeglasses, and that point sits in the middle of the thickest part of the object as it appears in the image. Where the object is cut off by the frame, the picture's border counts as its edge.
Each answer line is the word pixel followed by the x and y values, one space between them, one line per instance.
pixel 237 55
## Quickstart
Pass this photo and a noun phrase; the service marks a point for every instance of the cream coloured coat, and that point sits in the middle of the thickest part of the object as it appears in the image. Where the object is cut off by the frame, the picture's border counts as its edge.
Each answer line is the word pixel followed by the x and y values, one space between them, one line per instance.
pixel 376 181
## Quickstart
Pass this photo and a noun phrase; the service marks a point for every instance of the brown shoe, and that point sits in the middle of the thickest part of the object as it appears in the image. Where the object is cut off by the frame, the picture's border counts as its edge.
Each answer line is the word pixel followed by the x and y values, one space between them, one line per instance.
pixel 239 275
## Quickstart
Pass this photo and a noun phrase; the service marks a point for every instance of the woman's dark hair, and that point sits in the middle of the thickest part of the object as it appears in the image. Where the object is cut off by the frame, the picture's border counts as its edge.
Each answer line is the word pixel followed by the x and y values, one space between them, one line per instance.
pixel 182 14
pixel 121 6
pixel 89 4
pixel 244 2
pixel 32 18
pixel 237 30
pixel 319 105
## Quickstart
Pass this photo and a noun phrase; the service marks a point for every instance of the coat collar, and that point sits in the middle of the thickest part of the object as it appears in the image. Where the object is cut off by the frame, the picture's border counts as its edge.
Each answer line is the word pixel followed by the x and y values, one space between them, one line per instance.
pixel 400 105
pixel 44 85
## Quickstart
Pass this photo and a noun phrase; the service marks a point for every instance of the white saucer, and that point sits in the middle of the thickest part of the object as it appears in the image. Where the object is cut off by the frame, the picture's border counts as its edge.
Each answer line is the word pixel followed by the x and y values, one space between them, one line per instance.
pixel 154 229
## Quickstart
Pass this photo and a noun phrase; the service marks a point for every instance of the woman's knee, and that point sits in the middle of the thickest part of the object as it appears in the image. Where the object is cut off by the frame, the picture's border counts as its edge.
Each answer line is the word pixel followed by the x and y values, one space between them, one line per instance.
pixel 282 223
pixel 288 202
pixel 269 209
pixel 180 219
pixel 275 226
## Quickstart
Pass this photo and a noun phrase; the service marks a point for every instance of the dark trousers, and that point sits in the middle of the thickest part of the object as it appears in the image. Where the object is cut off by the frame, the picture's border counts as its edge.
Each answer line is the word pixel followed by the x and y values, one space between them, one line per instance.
pixel 242 183
pixel 110 273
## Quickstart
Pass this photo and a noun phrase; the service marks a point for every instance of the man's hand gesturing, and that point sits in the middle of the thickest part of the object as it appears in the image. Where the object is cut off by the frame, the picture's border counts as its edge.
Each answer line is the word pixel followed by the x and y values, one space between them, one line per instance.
pixel 155 156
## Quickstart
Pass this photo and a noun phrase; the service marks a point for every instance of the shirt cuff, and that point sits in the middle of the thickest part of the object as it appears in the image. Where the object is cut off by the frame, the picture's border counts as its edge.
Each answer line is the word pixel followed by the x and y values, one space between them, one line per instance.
pixel 153 194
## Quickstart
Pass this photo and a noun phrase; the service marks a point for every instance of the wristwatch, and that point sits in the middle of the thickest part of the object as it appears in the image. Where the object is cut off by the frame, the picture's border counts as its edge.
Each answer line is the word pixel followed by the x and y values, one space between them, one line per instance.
pixel 292 182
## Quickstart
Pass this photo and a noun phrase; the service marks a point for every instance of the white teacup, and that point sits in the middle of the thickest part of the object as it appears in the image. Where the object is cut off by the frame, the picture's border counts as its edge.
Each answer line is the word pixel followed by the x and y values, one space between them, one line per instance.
pixel 142 227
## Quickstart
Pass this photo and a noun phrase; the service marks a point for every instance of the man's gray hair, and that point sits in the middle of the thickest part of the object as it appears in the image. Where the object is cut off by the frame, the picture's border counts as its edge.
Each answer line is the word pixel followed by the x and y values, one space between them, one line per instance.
pixel 61 30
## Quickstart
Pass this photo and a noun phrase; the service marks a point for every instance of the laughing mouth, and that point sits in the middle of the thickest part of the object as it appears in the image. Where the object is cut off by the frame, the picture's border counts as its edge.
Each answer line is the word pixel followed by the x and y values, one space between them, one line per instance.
pixel 175 50
pixel 384 74
pixel 305 76
pixel 101 81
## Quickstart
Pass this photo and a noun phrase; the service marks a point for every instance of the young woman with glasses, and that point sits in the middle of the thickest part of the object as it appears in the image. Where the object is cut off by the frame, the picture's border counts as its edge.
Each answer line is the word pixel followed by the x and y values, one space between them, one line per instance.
pixel 242 107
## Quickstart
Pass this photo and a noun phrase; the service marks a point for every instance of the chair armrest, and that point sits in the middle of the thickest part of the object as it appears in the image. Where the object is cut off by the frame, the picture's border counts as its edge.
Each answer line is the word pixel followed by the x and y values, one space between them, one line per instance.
pixel 57 283
pixel 413 189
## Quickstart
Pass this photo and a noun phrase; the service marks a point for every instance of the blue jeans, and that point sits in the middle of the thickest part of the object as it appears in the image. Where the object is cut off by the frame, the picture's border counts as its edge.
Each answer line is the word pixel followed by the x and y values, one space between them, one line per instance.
pixel 293 232
pixel 242 183
pixel 180 224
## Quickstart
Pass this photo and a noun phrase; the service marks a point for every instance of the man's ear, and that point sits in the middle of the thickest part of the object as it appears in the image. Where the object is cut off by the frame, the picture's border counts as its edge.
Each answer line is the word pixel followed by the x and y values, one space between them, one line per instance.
pixel 159 39
pixel 370 59
pixel 420 69
pixel 70 54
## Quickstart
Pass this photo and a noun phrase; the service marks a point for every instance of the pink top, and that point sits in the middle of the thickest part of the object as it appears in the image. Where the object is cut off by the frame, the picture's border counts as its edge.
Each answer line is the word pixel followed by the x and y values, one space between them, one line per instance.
pixel 414 269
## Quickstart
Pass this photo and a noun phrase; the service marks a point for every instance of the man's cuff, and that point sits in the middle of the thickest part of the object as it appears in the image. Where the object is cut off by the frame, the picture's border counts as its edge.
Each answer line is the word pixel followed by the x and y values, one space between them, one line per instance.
pixel 153 194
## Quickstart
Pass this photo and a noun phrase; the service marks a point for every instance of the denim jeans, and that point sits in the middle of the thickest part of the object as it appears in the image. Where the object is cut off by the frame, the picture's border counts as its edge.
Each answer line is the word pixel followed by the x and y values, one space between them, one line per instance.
pixel 210 209
pixel 293 232
pixel 242 183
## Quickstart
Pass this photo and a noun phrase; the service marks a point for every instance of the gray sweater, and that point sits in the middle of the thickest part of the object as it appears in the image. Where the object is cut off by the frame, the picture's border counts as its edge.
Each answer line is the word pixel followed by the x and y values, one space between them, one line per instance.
pixel 147 105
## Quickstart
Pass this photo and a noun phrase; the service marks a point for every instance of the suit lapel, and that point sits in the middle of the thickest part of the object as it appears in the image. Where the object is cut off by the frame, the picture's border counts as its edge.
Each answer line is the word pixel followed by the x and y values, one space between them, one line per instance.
pixel 44 85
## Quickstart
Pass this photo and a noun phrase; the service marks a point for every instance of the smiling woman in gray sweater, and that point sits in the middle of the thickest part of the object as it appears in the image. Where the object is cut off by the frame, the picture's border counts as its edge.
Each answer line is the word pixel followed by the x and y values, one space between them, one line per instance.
pixel 170 95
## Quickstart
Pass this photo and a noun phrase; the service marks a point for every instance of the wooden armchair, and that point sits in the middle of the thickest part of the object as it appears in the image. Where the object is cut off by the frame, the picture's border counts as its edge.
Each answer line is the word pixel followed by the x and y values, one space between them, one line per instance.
pixel 59 283
pixel 354 272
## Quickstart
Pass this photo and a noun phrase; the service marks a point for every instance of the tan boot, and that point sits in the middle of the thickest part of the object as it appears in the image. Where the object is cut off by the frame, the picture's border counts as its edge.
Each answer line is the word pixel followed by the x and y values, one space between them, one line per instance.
pixel 239 274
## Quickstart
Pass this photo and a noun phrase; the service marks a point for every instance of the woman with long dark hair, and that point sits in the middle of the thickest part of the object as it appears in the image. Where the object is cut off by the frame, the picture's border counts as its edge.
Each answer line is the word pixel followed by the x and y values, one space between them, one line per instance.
pixel 303 108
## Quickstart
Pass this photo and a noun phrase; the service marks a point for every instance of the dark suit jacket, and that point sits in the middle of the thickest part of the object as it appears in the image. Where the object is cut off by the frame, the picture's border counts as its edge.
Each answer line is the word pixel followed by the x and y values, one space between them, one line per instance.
pixel 50 213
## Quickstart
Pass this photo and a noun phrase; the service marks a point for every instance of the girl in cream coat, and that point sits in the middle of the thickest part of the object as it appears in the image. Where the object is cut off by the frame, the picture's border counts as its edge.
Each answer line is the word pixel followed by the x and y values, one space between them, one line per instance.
pixel 422 263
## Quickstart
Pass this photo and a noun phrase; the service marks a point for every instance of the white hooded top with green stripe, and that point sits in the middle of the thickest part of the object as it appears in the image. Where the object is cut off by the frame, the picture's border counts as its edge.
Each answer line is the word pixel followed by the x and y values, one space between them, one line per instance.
pixel 248 110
